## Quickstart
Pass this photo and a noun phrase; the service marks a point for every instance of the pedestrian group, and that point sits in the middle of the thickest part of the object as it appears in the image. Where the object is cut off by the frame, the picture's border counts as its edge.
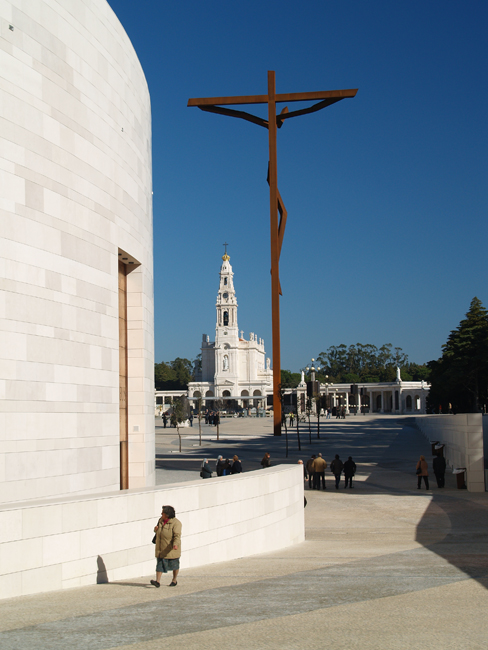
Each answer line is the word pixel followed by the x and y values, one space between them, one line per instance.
pixel 315 468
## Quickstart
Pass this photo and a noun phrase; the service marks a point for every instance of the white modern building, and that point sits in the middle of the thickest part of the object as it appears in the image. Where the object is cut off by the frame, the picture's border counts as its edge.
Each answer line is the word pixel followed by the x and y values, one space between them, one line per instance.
pixel 234 369
pixel 76 266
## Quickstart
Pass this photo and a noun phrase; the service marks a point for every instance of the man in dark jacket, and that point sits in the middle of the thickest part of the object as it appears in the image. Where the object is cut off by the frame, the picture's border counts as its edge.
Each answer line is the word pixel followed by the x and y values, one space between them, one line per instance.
pixel 439 465
pixel 349 471
pixel 336 467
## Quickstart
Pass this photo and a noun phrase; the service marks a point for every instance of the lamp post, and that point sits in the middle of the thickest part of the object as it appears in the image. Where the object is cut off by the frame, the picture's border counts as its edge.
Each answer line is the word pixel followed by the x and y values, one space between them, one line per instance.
pixel 312 369
pixel 327 384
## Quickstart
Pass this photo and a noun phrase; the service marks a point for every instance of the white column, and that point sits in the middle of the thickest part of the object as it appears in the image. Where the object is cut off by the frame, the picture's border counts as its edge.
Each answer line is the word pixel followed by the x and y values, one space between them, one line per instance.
pixel 347 402
pixel 359 403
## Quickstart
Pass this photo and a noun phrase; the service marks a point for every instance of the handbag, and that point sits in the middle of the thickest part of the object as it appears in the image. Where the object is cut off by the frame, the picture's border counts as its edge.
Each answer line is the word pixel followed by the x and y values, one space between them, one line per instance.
pixel 154 539
pixel 419 470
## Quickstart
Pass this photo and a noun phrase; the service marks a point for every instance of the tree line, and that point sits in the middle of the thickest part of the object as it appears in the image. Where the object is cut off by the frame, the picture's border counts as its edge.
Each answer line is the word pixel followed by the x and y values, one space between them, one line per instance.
pixel 361 363
pixel 173 375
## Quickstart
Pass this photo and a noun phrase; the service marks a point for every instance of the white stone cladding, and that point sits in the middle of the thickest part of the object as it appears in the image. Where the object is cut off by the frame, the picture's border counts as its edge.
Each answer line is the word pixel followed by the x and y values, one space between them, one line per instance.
pixel 75 189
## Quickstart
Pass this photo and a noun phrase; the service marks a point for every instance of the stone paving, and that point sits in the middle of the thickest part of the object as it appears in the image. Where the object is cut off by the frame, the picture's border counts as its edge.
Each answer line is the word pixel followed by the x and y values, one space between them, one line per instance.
pixel 384 565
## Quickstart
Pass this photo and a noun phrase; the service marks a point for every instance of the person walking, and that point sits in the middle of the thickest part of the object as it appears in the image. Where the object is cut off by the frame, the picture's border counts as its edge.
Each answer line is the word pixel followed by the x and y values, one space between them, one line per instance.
pixel 349 471
pixel 168 545
pixel 266 462
pixel 165 420
pixel 205 470
pixel 439 467
pixel 336 468
pixel 292 417
pixel 236 466
pixel 309 468
pixel 191 418
pixel 422 473
pixel 220 465
pixel 319 467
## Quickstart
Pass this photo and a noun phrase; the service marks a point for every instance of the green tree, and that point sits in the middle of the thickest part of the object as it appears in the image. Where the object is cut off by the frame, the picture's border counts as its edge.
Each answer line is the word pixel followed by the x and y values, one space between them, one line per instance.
pixel 460 376
pixel 173 375
pixel 290 379
pixel 361 363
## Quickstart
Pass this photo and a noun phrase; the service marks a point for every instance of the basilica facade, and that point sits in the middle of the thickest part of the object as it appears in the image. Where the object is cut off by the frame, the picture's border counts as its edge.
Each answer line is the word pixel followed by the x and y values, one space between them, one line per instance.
pixel 234 370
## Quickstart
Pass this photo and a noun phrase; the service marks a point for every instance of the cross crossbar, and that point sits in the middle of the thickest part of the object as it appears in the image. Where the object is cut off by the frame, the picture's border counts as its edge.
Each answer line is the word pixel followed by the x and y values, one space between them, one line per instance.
pixel 263 99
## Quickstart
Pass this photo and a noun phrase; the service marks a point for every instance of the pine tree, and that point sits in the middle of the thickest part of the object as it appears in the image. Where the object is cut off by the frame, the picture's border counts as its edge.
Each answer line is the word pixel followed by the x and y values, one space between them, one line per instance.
pixel 460 376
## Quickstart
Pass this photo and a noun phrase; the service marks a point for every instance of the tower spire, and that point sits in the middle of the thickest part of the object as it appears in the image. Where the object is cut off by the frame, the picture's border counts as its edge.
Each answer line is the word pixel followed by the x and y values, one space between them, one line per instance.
pixel 225 257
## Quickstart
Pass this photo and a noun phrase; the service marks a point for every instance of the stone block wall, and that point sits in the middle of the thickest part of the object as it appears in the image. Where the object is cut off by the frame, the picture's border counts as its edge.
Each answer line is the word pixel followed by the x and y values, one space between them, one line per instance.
pixel 76 541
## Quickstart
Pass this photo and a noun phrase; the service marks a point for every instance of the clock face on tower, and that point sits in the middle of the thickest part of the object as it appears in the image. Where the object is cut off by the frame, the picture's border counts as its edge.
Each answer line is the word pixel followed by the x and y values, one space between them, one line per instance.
pixel 225 295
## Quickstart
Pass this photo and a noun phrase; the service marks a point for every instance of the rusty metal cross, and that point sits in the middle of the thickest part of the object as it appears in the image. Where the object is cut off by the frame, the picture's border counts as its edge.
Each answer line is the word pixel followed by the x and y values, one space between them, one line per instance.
pixel 217 105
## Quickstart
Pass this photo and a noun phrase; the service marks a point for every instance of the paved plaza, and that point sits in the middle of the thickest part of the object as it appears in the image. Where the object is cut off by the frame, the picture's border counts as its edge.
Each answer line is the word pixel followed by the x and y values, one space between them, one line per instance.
pixel 384 565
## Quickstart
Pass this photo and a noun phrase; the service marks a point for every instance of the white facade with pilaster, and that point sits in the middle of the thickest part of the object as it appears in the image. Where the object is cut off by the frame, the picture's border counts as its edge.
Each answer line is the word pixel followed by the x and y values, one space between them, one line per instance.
pixel 233 368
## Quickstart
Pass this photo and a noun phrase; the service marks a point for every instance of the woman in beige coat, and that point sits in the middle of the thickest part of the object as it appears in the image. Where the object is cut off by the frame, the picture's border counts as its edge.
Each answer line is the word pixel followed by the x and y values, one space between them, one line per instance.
pixel 168 545
pixel 422 473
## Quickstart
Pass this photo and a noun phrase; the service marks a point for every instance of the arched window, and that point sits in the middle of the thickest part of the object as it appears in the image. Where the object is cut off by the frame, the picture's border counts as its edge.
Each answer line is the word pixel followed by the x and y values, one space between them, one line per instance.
pixel 209 393
pixel 408 402
pixel 225 280
pixel 226 318
pixel 197 393
pixel 226 393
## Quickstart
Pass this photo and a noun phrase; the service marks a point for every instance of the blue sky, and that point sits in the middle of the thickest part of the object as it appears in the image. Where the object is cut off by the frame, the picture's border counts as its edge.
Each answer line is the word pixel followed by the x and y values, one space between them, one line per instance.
pixel 386 193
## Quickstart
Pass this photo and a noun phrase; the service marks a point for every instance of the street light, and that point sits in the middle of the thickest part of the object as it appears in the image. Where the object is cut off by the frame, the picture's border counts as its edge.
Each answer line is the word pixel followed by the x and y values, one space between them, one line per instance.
pixel 312 368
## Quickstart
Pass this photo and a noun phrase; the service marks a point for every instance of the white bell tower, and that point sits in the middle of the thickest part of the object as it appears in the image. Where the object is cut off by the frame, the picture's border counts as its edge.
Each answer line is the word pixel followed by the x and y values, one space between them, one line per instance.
pixel 226 330
pixel 226 327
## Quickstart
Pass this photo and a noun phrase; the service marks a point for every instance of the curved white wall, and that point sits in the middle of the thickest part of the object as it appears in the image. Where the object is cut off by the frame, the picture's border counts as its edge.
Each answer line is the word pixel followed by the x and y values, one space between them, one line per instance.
pixel 462 437
pixel 82 540
pixel 75 187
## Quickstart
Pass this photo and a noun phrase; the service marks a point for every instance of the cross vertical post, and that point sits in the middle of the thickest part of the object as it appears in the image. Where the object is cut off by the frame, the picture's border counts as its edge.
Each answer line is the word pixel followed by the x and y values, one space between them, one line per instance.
pixel 275 269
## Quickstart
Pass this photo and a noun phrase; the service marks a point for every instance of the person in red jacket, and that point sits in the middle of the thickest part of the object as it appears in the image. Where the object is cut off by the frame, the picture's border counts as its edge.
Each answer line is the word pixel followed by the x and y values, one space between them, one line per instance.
pixel 422 473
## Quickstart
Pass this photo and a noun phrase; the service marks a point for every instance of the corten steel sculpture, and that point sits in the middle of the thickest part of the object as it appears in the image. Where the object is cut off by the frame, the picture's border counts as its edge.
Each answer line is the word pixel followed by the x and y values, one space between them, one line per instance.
pixel 216 105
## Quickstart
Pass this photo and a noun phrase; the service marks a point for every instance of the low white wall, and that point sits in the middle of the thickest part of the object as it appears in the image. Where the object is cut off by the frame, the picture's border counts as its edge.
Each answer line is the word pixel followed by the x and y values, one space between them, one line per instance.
pixel 462 436
pixel 75 541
